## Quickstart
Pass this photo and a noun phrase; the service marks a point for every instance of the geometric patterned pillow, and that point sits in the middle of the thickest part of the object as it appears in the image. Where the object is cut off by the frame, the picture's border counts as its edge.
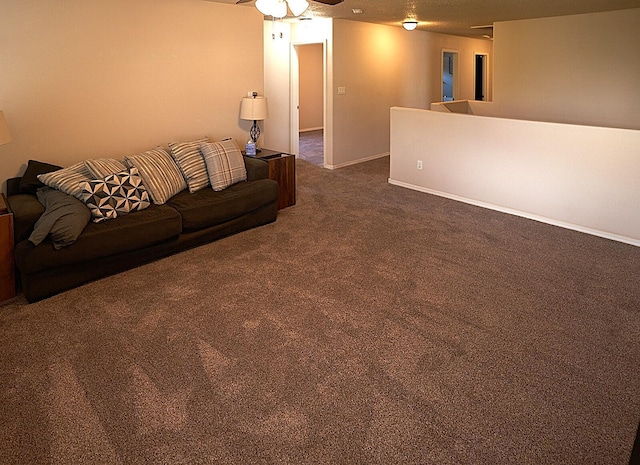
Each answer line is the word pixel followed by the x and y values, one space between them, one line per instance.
pixel 159 172
pixel 115 195
pixel 67 179
pixel 103 167
pixel 225 164
pixel 189 159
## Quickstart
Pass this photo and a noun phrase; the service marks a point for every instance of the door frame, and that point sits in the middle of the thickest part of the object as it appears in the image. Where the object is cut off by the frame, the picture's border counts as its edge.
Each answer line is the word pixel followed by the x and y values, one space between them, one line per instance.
pixel 294 97
pixel 456 80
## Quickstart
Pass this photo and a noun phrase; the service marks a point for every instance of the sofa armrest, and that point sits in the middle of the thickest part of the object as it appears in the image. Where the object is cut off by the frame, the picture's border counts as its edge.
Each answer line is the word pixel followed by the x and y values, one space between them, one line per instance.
pixel 26 210
pixel 13 186
pixel 256 169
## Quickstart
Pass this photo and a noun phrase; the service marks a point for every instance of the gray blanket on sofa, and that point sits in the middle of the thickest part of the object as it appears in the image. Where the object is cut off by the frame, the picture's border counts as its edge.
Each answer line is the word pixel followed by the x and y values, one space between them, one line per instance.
pixel 63 220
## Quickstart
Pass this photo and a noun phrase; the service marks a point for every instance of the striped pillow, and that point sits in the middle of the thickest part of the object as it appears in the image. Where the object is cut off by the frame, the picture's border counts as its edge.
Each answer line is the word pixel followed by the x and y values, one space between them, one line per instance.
pixel 160 175
pixel 189 159
pixel 103 167
pixel 68 179
pixel 225 163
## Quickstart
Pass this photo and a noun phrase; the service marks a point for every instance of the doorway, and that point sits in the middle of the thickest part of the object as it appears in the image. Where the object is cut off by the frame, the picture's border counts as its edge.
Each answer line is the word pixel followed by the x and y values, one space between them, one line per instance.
pixel 311 102
pixel 449 75
pixel 480 79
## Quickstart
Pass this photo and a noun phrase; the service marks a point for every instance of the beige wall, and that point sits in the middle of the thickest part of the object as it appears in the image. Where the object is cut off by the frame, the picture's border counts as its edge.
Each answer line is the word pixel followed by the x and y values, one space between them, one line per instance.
pixel 106 78
pixel 280 58
pixel 310 62
pixel 379 66
pixel 277 84
pixel 581 69
pixel 384 66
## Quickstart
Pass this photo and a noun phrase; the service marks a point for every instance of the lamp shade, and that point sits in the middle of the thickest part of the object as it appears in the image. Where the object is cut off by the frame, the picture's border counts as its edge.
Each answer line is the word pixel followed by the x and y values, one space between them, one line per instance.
pixel 254 109
pixel 5 135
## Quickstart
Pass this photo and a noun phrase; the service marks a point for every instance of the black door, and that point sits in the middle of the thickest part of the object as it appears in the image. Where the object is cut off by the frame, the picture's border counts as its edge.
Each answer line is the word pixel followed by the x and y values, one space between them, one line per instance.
pixel 479 77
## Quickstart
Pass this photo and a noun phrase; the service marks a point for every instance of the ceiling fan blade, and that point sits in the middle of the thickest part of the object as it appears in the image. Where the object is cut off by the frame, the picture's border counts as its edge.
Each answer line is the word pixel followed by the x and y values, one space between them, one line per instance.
pixel 243 1
pixel 329 2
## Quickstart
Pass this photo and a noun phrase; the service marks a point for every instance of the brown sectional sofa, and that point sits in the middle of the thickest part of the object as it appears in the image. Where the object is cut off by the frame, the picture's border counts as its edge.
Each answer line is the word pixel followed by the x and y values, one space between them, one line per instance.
pixel 186 220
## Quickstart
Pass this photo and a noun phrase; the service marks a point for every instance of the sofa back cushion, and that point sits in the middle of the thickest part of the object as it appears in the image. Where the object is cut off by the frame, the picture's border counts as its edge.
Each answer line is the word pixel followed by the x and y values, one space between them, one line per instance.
pixel 29 182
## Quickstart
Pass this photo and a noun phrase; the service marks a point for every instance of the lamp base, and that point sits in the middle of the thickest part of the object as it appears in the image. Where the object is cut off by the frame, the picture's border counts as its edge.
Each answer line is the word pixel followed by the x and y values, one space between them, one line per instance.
pixel 254 132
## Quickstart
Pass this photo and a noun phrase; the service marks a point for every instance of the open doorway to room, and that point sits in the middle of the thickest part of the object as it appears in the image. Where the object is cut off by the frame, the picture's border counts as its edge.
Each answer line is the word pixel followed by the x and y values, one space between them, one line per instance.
pixel 311 102
pixel 449 75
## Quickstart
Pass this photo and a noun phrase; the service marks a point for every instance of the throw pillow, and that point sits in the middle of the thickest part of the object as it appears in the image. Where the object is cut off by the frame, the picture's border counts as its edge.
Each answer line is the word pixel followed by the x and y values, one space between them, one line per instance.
pixel 103 167
pixel 63 220
pixel 68 179
pixel 115 195
pixel 160 175
pixel 225 163
pixel 29 182
pixel 189 159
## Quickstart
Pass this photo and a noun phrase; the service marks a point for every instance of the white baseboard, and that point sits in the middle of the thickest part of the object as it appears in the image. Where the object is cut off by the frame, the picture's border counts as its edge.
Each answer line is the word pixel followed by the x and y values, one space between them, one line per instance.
pixel 310 129
pixel 542 219
pixel 358 161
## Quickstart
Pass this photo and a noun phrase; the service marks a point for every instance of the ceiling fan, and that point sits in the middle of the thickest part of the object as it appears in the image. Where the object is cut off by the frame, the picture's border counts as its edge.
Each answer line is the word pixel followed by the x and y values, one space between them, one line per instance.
pixel 325 2
pixel 278 8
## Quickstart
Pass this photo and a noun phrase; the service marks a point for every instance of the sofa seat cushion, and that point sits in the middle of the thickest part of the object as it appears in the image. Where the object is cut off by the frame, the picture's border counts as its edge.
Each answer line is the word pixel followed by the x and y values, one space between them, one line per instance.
pixel 207 207
pixel 134 231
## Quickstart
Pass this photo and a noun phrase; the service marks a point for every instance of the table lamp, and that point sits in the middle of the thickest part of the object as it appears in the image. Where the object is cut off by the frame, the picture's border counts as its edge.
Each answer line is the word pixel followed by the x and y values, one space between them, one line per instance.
pixel 254 109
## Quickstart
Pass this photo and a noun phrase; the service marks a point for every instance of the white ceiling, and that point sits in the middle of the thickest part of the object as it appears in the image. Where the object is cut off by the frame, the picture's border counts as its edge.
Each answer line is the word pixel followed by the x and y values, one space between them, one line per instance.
pixel 456 16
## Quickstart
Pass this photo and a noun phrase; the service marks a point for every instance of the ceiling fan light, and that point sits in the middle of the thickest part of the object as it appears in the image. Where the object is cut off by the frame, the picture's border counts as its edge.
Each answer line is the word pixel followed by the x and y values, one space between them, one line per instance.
pixel 298 7
pixel 410 24
pixel 266 7
pixel 279 9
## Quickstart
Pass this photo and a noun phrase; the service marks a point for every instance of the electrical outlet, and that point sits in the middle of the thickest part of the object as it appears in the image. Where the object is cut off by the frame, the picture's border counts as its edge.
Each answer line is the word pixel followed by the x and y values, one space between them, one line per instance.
pixel 419 164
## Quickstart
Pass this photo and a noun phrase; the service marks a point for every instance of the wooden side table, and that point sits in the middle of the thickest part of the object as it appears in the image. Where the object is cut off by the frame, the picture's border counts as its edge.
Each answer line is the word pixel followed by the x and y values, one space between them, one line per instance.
pixel 282 168
pixel 7 267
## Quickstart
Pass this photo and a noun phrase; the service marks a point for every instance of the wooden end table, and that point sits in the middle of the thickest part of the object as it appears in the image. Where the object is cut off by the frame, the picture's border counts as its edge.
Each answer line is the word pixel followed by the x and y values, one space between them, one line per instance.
pixel 282 168
pixel 7 267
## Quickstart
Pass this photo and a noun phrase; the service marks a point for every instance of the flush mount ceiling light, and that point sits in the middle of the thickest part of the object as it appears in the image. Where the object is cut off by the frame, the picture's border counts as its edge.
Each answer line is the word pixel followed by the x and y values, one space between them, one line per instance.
pixel 278 8
pixel 410 24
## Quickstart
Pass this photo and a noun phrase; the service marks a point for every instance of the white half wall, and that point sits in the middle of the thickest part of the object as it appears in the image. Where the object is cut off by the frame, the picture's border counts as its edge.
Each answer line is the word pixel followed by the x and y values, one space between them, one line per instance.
pixel 579 177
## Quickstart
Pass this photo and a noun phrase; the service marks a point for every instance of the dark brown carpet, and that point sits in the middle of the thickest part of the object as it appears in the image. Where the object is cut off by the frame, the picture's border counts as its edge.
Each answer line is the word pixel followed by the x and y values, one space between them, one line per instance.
pixel 369 325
